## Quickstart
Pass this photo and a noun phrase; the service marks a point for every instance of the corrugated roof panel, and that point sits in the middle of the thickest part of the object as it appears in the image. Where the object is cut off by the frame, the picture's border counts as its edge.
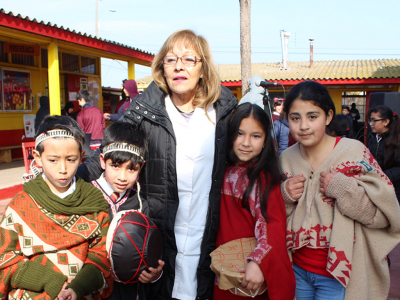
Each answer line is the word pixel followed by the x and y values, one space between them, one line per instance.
pixel 10 13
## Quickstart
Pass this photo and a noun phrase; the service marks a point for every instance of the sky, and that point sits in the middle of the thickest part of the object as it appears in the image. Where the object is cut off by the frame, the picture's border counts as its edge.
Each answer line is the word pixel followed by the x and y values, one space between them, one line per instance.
pixel 341 29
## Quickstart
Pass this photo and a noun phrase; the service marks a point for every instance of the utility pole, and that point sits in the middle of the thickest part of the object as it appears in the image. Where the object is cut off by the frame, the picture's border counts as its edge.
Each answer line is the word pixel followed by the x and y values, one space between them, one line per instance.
pixel 245 44
pixel 97 18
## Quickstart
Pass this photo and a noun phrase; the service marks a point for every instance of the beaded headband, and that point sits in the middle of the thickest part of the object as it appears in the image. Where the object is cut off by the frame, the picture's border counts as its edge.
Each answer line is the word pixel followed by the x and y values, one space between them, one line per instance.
pixel 55 133
pixel 124 147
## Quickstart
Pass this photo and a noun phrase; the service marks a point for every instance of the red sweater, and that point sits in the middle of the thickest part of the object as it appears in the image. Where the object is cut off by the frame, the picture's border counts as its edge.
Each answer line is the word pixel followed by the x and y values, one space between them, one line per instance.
pixel 91 120
pixel 237 222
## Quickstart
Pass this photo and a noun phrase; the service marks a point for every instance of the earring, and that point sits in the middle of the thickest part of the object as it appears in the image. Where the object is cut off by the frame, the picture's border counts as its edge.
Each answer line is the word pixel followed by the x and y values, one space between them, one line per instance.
pixel 201 76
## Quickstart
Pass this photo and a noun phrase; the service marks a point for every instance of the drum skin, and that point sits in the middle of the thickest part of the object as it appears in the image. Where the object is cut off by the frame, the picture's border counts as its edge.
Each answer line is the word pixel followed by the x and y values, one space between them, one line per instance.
pixel 134 244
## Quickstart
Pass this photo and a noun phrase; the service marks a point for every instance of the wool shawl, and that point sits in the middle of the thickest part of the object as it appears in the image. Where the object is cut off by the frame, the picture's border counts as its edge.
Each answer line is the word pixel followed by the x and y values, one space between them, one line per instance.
pixel 85 199
pixel 337 220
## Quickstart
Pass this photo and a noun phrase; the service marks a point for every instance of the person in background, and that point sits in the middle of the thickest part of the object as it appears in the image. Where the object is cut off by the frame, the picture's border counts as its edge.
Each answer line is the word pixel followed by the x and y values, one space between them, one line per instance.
pixel 278 107
pixel 255 95
pixel 130 90
pixel 43 111
pixel 383 142
pixel 355 114
pixel 346 112
pixel 91 119
pixel 68 109
pixel 340 126
pixel 184 115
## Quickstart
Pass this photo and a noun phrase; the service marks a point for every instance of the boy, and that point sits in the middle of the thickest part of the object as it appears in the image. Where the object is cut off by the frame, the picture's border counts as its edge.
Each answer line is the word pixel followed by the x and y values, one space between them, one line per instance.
pixel 122 158
pixel 53 234
pixel 91 119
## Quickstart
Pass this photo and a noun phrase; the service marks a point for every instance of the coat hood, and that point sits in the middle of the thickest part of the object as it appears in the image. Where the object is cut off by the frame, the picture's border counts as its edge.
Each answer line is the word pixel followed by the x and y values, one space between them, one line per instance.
pixel 253 88
pixel 131 86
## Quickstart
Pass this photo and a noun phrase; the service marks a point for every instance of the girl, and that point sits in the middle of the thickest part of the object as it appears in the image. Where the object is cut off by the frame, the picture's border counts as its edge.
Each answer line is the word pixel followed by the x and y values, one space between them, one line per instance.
pixel 251 202
pixel 383 142
pixel 343 217
pixel 278 107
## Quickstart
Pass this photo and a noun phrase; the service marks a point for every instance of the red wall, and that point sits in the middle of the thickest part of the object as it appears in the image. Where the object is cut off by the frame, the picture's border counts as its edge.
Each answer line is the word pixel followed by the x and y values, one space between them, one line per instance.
pixel 13 137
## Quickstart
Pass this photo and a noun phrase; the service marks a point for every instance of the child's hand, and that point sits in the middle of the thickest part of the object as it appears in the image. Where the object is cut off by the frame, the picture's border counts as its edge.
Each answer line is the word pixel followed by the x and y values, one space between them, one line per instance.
pixel 295 186
pixel 325 179
pixel 154 274
pixel 68 294
pixel 253 276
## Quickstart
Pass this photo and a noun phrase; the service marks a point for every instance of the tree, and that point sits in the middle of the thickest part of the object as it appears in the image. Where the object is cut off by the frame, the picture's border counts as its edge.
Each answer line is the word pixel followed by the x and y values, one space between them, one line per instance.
pixel 245 44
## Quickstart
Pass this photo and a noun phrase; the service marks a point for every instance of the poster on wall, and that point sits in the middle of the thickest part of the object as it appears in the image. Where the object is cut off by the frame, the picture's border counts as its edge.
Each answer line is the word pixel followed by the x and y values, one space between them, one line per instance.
pixel 29 125
pixel 17 90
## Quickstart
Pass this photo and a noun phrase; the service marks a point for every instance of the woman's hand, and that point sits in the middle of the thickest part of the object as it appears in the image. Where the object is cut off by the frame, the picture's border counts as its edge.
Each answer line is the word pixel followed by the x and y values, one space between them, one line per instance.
pixel 253 276
pixel 325 179
pixel 295 186
pixel 154 274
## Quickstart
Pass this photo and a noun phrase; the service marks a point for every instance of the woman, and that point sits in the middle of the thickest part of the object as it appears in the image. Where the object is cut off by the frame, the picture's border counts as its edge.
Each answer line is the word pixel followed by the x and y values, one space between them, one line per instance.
pixel 184 113
pixel 383 142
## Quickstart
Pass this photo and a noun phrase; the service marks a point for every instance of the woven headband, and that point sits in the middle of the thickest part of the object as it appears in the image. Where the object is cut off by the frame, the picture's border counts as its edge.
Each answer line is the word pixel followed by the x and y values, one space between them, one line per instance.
pixel 55 133
pixel 124 147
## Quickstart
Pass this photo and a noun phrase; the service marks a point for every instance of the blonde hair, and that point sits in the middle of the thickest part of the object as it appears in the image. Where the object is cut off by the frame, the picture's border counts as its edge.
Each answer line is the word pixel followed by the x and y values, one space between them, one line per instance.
pixel 209 86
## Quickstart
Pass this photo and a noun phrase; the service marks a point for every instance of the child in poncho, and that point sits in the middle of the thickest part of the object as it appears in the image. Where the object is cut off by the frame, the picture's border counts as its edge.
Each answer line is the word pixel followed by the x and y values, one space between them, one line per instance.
pixel 342 213
pixel 252 206
pixel 53 234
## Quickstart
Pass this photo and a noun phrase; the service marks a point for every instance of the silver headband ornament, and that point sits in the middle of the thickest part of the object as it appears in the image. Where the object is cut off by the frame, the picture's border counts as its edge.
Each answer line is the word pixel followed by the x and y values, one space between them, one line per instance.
pixel 124 147
pixel 55 133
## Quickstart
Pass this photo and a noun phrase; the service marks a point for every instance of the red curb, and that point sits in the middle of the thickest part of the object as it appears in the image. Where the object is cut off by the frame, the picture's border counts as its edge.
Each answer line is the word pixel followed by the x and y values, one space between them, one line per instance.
pixel 10 192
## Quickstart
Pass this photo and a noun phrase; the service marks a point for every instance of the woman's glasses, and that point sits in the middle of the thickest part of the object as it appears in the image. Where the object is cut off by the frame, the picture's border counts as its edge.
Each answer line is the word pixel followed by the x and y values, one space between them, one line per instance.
pixel 187 60
pixel 372 121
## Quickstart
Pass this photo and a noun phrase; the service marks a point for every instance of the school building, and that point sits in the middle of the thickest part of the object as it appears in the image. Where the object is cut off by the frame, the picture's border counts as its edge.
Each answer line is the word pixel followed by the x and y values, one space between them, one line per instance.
pixel 38 58
pixel 346 81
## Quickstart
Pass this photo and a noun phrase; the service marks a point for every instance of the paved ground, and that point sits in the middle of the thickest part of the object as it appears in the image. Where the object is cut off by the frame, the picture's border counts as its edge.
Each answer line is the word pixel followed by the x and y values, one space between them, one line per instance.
pixel 11 175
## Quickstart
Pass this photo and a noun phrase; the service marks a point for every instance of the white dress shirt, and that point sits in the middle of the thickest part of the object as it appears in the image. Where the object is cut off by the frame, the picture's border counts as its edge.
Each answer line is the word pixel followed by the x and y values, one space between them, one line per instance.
pixel 195 141
pixel 68 192
pixel 107 187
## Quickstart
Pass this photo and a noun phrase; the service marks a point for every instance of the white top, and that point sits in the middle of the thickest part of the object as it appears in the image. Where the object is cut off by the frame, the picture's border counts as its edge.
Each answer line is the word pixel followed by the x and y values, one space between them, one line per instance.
pixel 195 141
pixel 107 187
pixel 68 192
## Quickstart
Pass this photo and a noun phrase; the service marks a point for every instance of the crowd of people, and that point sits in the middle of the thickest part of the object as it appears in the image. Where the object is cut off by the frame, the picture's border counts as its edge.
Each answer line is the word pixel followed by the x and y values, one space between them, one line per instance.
pixel 322 210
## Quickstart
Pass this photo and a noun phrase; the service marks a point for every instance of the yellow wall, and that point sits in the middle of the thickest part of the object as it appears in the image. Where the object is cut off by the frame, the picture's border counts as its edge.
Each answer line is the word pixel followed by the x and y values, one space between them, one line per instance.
pixel 336 96
pixel 39 76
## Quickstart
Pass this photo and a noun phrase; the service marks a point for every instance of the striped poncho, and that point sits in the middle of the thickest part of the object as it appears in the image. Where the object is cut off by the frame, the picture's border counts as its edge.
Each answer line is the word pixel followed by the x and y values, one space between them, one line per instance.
pixel 41 249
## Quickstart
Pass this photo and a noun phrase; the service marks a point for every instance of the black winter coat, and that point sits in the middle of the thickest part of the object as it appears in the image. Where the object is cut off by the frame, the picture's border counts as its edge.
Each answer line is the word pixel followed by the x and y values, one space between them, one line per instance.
pixel 378 151
pixel 158 181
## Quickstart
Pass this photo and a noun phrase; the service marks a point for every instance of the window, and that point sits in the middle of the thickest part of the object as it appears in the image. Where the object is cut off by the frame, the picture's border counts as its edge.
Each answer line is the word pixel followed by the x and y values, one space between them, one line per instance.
pixel 88 65
pixel 16 90
pixel 45 62
pixel 22 59
pixel 70 62
pixel 3 54
pixel 359 98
